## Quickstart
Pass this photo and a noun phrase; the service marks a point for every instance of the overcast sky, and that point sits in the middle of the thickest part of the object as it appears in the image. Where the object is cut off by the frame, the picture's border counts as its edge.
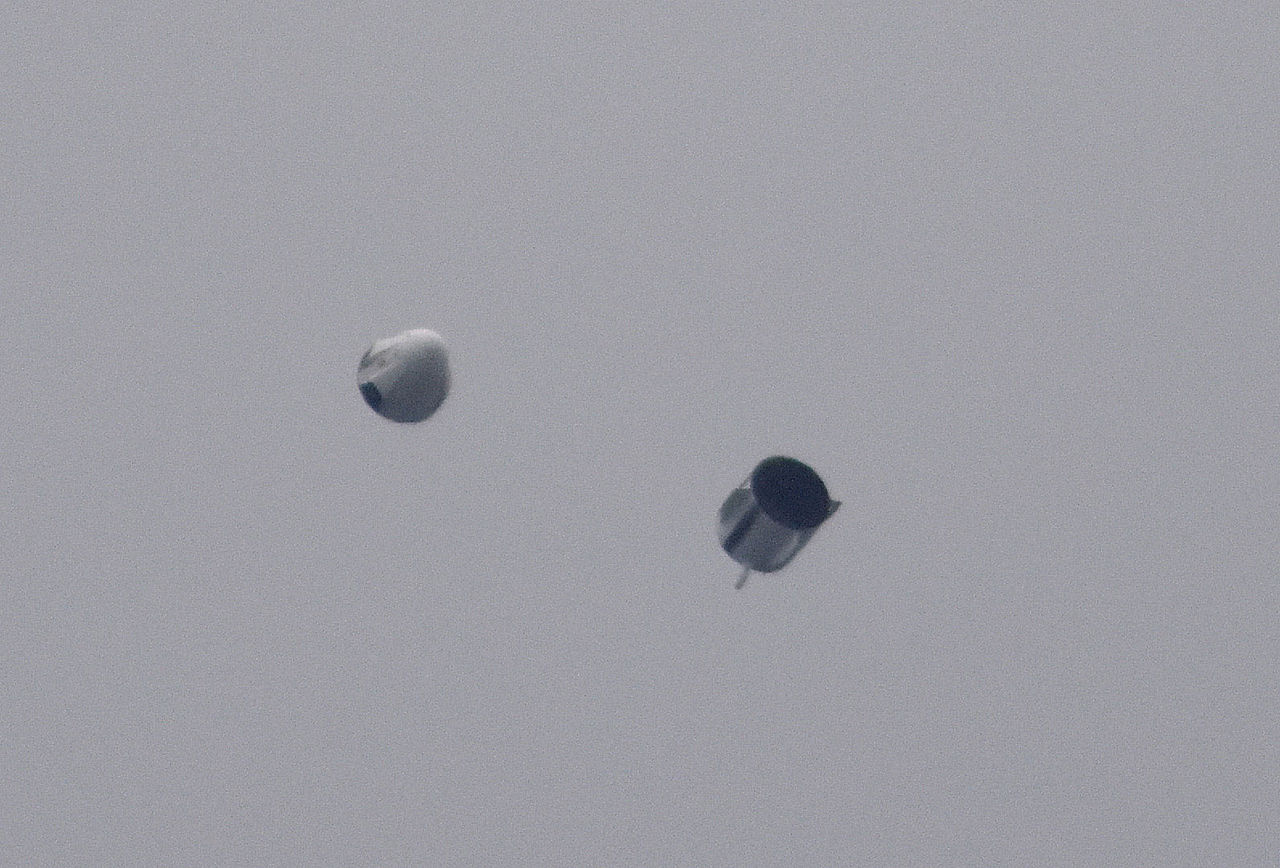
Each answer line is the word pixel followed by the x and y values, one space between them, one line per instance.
pixel 1003 273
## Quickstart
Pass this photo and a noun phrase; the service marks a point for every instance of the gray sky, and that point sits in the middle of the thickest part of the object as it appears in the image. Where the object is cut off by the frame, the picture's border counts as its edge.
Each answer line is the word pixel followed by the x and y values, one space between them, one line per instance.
pixel 1005 274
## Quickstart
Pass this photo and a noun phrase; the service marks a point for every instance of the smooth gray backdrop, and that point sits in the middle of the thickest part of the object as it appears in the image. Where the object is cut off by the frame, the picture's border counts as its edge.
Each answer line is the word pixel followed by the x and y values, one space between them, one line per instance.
pixel 1004 273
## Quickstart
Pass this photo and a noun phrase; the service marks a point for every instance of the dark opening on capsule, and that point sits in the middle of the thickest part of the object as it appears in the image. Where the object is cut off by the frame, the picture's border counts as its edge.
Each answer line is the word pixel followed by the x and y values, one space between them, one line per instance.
pixel 372 396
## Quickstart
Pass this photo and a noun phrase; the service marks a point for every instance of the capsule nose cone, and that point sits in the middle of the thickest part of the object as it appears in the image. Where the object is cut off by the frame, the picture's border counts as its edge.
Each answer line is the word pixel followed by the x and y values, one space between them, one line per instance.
pixel 405 378
pixel 371 395
pixel 791 493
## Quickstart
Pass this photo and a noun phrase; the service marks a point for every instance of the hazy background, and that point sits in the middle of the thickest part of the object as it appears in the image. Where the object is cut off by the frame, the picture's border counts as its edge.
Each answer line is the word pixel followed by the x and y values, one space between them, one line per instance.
pixel 1004 273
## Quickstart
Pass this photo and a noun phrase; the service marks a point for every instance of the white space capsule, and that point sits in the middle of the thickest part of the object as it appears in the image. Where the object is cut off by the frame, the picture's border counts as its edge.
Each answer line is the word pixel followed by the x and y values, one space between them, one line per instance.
pixel 765 521
pixel 405 378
